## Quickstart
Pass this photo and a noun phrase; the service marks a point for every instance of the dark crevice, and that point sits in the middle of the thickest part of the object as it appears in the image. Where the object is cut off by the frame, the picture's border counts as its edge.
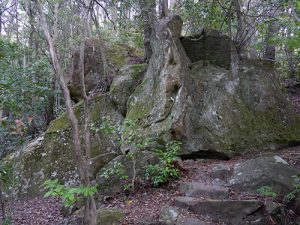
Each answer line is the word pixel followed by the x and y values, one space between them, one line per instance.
pixel 205 154
pixel 293 143
pixel 290 144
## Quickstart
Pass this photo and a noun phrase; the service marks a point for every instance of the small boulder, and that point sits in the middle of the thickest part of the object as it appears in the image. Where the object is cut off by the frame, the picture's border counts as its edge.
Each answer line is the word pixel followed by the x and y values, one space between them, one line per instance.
pixel 109 216
pixel 264 171
pixel 168 215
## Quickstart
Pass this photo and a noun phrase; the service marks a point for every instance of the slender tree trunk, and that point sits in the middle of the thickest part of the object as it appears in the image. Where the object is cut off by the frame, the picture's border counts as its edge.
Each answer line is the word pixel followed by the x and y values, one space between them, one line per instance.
pixel 80 159
pixel 90 205
pixel 149 18
pixel 240 28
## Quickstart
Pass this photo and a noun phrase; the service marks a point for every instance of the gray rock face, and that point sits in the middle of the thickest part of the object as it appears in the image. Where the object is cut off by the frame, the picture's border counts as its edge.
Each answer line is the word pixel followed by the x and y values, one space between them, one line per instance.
pixel 265 171
pixel 123 85
pixel 193 189
pixel 216 107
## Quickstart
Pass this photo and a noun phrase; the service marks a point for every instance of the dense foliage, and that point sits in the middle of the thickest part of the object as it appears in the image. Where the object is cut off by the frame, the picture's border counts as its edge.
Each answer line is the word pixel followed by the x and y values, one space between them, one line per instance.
pixel 25 90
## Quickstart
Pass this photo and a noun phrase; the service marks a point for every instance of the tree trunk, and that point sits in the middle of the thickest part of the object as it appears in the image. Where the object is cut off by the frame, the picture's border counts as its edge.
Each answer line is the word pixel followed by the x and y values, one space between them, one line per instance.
pixel 239 39
pixel 90 206
pixel 149 18
pixel 80 159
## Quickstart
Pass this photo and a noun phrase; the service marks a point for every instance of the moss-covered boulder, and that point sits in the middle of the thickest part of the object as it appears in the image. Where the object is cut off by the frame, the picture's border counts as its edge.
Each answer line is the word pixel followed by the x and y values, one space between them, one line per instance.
pixel 102 61
pixel 51 155
pixel 123 85
pixel 216 107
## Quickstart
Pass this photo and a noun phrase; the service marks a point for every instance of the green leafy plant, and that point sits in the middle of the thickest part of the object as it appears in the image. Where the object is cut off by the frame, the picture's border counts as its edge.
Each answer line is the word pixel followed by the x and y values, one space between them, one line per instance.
pixel 6 221
pixel 267 191
pixel 70 195
pixel 296 190
pixel 293 194
pixel 164 171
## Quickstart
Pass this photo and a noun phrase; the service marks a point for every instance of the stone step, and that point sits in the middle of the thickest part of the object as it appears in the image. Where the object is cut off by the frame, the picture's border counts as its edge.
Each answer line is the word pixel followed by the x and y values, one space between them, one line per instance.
pixel 235 212
pixel 194 189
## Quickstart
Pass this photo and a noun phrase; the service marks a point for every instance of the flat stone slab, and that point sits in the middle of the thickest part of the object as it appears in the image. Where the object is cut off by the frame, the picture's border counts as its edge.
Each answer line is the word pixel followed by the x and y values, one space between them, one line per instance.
pixel 220 209
pixel 271 171
pixel 194 189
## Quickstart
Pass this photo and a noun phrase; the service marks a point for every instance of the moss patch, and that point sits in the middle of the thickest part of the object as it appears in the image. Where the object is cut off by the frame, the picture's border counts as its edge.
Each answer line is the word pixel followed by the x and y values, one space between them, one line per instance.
pixel 137 70
pixel 255 130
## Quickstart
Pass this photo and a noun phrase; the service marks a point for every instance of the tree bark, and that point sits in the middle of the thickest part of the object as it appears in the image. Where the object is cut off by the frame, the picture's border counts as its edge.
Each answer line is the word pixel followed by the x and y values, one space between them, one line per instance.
pixel 163 9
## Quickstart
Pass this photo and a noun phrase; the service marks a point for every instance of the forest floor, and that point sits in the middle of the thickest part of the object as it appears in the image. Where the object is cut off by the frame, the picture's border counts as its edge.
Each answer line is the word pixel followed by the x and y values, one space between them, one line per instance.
pixel 144 202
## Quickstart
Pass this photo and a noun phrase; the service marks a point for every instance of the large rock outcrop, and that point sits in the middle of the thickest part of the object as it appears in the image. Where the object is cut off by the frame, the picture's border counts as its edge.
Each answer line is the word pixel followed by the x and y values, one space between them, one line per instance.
pixel 214 103
pixel 199 92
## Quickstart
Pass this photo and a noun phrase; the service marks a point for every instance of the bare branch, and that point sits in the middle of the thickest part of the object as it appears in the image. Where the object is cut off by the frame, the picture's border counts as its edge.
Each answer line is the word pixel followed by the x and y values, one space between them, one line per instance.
pixel 106 13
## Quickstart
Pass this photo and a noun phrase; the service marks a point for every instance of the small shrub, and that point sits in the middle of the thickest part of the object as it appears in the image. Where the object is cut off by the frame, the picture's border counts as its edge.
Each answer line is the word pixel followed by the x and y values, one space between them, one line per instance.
pixel 164 171
pixel 293 194
pixel 70 195
pixel 266 191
